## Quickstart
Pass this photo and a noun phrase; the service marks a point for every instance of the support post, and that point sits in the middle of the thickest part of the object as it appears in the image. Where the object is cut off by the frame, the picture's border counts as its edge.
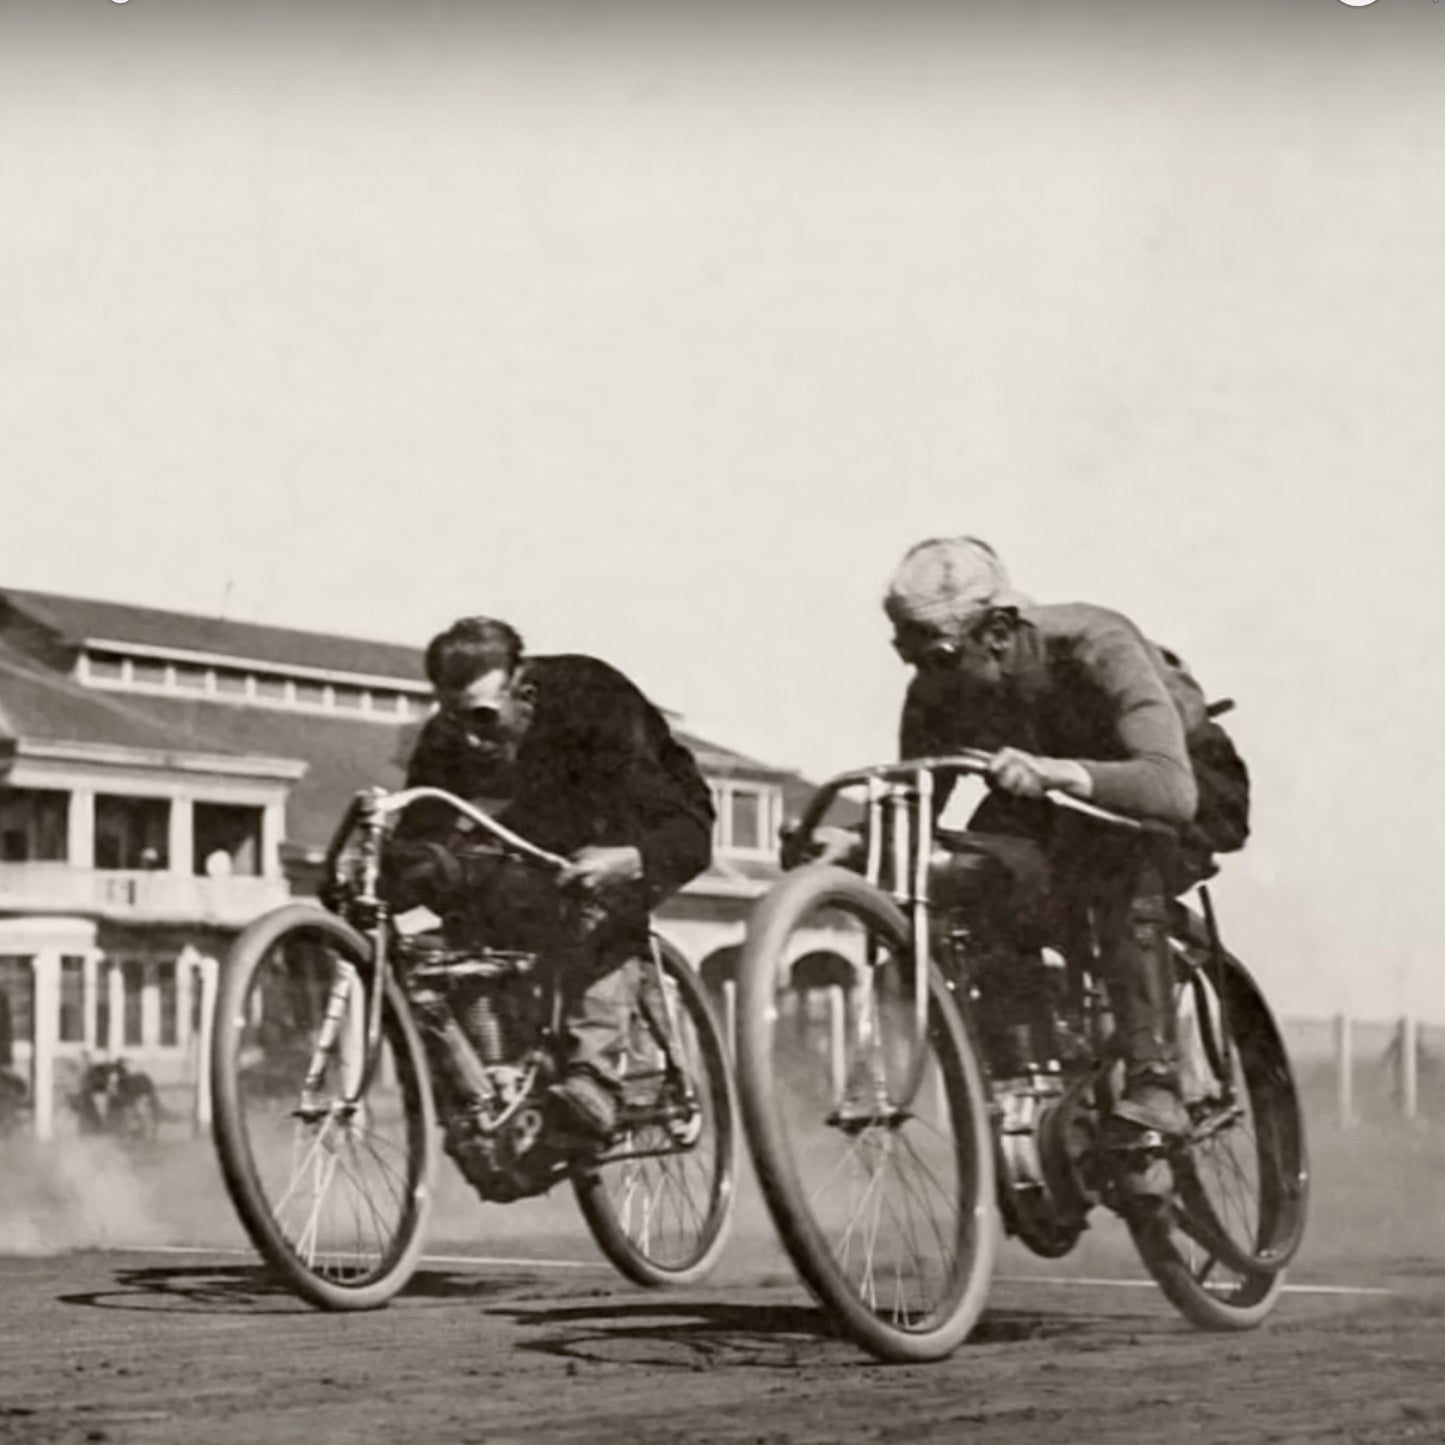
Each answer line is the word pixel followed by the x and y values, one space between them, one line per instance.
pixel 730 1015
pixel 45 1035
pixel 837 1039
pixel 206 970
pixel 1409 1063
pixel 1344 1072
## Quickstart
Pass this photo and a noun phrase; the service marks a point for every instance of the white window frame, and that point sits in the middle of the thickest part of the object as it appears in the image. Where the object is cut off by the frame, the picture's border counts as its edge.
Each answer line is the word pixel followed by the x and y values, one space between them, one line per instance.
pixel 770 805
pixel 382 699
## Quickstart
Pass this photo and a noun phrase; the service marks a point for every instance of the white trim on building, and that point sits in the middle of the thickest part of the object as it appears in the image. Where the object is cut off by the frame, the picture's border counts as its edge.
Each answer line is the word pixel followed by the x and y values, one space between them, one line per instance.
pixel 244 682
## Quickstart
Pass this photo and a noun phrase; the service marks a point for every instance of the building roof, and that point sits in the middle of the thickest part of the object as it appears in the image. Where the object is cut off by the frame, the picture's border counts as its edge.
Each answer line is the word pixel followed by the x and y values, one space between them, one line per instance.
pixel 343 754
pixel 75 620
pixel 38 703
pixel 70 622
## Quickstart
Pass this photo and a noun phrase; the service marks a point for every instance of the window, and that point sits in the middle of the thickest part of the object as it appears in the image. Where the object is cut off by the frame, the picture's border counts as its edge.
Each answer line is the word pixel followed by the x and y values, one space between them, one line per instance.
pixel 311 694
pixel 170 1003
pixel 271 687
pixel 149 671
pixel 349 699
pixel 133 976
pixel 17 1001
pixel 744 814
pixel 132 832
pixel 227 841
pixel 190 677
pixel 104 668
pixel 103 977
pixel 747 819
pixel 72 1000
pixel 34 825
pixel 230 683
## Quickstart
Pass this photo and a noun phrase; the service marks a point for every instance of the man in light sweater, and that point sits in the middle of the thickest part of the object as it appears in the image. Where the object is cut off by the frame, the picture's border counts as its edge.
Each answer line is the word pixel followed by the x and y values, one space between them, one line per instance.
pixel 1069 699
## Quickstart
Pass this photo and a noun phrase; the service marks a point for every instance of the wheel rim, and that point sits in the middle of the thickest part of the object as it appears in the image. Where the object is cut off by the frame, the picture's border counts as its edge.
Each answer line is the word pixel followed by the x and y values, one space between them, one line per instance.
pixel 339 1177
pixel 888 1184
pixel 666 1184
pixel 1209 1274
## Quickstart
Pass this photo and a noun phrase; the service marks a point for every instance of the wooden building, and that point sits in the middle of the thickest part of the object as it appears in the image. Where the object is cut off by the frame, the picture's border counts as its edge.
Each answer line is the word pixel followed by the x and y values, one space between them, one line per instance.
pixel 166 777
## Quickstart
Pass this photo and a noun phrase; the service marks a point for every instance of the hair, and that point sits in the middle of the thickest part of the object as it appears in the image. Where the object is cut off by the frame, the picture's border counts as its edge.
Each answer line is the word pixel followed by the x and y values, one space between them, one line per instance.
pixel 470 648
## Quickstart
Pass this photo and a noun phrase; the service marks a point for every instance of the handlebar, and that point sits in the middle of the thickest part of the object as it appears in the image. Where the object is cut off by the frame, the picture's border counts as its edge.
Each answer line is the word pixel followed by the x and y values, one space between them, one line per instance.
pixel 377 805
pixel 391 804
pixel 899 836
pixel 972 762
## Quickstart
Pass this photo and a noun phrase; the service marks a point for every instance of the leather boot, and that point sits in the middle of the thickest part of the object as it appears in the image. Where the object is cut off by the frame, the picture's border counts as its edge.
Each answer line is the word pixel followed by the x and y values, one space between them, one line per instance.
pixel 1143 990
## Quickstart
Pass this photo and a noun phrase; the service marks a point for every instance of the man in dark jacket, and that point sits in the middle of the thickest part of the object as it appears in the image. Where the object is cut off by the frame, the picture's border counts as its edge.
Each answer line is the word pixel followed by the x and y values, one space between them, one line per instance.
pixel 569 754
pixel 1069 699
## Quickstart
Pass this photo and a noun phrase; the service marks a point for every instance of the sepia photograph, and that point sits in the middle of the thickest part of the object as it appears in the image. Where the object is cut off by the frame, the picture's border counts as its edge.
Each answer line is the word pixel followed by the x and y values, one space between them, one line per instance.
pixel 720 722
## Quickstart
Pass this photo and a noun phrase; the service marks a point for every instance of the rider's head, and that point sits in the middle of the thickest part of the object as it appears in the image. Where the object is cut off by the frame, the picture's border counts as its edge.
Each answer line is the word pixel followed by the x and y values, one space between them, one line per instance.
pixel 473 668
pixel 954 610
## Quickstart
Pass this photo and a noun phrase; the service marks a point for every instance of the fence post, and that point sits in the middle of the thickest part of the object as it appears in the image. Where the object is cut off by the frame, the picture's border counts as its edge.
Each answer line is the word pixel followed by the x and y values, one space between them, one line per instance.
pixel 1408 1063
pixel 1344 1072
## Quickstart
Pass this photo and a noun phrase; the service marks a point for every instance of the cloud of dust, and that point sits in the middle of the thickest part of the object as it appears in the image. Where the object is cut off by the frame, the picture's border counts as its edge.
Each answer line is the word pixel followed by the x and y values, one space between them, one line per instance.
pixel 97 1193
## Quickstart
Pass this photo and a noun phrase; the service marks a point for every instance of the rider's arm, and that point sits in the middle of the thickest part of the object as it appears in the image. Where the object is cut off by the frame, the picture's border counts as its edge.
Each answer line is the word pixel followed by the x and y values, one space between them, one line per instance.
pixel 633 753
pixel 674 808
pixel 1154 778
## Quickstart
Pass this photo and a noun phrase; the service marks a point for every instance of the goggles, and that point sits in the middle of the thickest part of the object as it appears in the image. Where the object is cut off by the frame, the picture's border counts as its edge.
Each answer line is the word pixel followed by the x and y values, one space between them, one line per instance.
pixel 936 654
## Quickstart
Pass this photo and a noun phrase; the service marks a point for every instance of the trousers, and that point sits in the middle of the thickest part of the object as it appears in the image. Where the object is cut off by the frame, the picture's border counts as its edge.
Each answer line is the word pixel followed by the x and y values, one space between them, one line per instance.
pixel 599 948
pixel 1116 883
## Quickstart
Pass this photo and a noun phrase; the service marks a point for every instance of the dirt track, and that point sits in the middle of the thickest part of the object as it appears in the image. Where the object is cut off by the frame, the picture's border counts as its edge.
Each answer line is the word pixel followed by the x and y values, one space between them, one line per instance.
pixel 163 1348
pixel 178 1348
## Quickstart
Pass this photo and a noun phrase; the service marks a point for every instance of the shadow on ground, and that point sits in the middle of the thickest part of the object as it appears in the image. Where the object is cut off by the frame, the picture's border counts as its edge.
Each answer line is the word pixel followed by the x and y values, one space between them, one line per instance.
pixel 705 1335
pixel 252 1289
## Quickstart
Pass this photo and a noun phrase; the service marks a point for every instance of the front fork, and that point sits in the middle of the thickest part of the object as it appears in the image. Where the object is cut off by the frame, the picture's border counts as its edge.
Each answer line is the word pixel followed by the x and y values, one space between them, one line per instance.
pixel 905 815
pixel 351 1024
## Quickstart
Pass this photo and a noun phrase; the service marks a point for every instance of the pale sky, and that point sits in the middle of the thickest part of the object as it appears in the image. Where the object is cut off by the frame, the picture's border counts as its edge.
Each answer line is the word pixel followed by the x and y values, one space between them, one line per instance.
pixel 662 330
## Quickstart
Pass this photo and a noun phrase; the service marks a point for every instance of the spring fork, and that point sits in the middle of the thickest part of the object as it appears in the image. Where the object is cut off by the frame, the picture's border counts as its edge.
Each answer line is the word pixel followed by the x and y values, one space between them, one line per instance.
pixel 874 869
pixel 338 1001
pixel 873 872
pixel 371 822
pixel 922 935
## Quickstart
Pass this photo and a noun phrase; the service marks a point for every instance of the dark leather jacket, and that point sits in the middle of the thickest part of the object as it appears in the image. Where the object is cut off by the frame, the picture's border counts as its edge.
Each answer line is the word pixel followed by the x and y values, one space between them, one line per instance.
pixel 598 766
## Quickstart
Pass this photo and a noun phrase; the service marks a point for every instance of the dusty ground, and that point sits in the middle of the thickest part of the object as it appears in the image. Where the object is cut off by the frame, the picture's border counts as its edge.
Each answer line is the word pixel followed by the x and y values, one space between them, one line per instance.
pixel 162 1347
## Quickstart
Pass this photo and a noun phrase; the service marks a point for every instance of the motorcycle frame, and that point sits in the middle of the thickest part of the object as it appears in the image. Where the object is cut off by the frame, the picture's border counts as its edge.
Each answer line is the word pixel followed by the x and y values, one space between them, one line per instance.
pixel 367 818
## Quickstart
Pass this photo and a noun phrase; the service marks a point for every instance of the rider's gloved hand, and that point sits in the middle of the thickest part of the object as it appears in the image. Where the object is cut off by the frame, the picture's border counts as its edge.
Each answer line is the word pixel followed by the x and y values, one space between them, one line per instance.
pixel 601 870
pixel 1012 770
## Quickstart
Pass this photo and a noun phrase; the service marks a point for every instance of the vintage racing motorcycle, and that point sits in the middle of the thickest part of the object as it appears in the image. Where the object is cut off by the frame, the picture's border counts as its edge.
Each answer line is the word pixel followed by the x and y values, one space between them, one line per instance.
pixel 935 1098
pixel 348 1044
